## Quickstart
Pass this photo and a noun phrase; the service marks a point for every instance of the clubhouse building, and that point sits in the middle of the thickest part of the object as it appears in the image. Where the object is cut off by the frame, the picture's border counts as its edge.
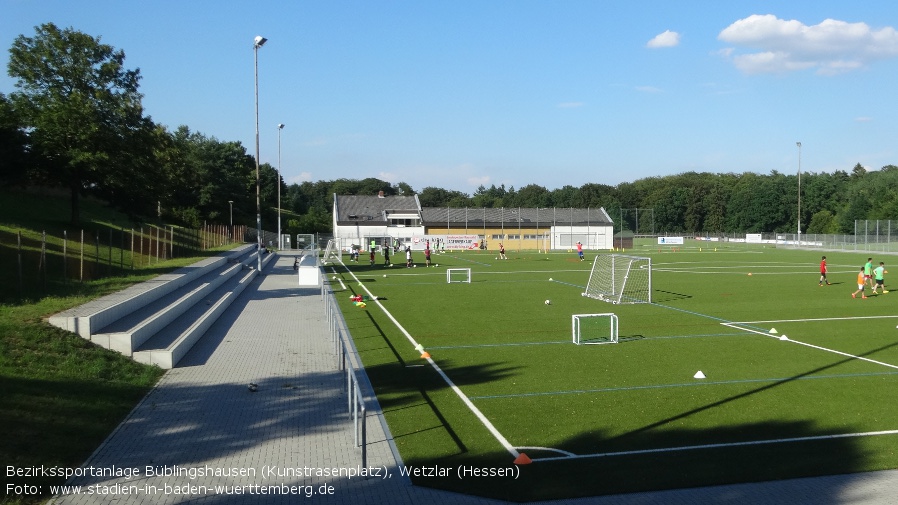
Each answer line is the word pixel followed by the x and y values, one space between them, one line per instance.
pixel 378 221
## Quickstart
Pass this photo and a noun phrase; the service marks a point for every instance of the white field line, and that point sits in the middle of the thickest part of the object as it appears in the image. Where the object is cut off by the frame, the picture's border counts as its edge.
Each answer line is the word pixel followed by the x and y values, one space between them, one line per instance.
pixel 732 325
pixel 486 422
pixel 812 319
pixel 717 446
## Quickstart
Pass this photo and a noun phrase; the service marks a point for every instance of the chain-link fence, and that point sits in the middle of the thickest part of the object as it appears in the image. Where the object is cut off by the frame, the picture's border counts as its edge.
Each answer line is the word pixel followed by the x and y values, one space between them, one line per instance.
pixel 869 236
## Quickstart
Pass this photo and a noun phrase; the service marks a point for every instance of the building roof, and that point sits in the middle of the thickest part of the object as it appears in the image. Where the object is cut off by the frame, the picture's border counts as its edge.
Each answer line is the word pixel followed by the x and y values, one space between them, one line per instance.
pixel 373 209
pixel 377 210
pixel 433 216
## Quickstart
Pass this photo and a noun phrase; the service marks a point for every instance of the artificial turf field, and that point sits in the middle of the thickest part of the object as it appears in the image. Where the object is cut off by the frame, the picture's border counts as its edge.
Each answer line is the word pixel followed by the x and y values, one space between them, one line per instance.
pixel 504 378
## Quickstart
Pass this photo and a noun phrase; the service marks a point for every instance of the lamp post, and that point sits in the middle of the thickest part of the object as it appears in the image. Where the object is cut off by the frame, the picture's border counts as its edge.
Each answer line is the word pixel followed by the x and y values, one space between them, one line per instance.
pixel 231 203
pixel 799 192
pixel 280 239
pixel 258 42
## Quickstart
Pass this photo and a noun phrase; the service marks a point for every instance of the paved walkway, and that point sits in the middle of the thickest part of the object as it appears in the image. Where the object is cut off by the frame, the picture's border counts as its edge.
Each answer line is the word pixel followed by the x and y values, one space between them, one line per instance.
pixel 208 439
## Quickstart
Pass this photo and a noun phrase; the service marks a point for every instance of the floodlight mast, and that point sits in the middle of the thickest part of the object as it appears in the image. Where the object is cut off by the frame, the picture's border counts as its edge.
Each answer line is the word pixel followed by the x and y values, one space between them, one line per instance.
pixel 258 42
pixel 280 238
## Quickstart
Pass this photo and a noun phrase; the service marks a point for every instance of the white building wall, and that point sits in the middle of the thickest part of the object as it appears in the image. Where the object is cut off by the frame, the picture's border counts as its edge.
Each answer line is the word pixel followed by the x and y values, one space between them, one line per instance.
pixel 594 237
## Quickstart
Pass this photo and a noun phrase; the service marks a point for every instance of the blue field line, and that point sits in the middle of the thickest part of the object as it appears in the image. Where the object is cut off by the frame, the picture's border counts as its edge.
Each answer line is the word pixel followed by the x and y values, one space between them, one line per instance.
pixel 709 317
pixel 553 342
pixel 742 334
pixel 570 284
pixel 689 384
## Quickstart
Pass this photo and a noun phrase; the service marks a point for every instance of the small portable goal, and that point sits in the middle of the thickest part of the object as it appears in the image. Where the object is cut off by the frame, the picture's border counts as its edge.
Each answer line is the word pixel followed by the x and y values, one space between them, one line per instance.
pixel 594 328
pixel 458 275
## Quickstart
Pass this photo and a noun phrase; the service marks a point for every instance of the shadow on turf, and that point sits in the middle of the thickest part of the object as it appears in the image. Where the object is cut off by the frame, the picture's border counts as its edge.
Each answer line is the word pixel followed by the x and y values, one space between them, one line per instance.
pixel 662 296
pixel 683 474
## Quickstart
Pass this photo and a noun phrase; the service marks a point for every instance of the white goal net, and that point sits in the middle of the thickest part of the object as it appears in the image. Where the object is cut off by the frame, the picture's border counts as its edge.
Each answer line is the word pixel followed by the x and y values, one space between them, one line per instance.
pixel 458 275
pixel 332 253
pixel 594 328
pixel 619 278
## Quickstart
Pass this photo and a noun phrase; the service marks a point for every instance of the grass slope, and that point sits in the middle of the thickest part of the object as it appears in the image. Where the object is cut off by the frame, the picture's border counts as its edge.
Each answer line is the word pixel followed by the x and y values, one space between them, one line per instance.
pixel 62 396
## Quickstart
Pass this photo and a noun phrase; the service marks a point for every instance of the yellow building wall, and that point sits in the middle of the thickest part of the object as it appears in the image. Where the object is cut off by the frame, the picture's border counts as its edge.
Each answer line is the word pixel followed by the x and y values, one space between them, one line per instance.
pixel 529 238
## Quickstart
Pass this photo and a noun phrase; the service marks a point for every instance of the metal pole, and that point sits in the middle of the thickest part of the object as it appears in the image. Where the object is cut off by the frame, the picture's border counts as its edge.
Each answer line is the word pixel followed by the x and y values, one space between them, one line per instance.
pixel 280 240
pixel 231 204
pixel 258 42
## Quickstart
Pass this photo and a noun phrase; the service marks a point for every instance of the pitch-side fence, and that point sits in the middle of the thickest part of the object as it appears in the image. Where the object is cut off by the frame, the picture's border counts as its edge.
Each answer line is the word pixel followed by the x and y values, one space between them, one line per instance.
pixel 348 360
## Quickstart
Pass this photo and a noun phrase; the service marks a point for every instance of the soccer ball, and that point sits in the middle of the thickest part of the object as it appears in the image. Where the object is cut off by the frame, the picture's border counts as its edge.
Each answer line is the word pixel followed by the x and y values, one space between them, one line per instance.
pixel 548 302
pixel 415 266
pixel 385 275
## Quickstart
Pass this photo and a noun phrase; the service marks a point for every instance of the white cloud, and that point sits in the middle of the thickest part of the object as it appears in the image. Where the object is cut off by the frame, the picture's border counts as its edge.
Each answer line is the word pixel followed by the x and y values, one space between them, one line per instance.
pixel 831 47
pixel 302 177
pixel 483 180
pixel 570 105
pixel 863 119
pixel 648 89
pixel 666 39
pixel 390 177
pixel 314 142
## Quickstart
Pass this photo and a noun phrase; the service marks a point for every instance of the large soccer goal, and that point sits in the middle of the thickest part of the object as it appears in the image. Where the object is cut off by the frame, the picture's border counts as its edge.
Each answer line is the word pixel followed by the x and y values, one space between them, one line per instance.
pixel 332 253
pixel 619 278
pixel 594 328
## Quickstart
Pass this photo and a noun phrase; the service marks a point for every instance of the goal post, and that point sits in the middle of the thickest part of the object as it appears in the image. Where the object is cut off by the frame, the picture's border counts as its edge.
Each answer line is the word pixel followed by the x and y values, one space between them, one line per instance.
pixel 332 253
pixel 458 275
pixel 594 328
pixel 620 278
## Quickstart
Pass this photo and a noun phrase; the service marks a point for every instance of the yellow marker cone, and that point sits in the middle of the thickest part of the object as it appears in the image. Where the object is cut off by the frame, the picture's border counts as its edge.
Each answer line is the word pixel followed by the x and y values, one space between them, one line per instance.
pixel 425 355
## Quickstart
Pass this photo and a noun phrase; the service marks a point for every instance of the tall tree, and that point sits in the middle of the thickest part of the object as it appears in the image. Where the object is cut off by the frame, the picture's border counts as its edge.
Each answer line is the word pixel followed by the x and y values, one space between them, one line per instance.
pixel 13 144
pixel 81 106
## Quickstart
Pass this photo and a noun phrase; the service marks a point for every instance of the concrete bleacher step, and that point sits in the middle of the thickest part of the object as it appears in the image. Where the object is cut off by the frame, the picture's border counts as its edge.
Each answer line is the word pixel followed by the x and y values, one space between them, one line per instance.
pixel 129 332
pixel 172 343
pixel 90 317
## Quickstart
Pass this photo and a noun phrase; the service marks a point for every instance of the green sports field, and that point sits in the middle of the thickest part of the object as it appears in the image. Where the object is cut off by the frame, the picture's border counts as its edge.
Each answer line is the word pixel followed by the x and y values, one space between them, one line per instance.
pixel 798 378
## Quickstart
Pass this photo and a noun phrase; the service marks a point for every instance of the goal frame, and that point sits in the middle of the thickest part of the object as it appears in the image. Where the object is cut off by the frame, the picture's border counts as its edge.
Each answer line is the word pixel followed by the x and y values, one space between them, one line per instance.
pixel 576 336
pixel 449 275
pixel 332 253
pixel 620 279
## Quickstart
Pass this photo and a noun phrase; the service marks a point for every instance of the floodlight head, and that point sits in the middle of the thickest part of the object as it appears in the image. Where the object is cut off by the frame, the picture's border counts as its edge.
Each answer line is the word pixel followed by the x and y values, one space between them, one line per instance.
pixel 280 126
pixel 798 144
pixel 259 41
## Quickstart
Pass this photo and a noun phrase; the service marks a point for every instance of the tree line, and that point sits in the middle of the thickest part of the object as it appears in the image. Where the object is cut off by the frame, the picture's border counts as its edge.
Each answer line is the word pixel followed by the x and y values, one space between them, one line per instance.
pixel 76 121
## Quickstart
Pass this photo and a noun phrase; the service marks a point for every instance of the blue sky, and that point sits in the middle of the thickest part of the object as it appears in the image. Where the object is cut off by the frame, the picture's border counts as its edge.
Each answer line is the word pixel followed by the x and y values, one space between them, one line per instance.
pixel 458 94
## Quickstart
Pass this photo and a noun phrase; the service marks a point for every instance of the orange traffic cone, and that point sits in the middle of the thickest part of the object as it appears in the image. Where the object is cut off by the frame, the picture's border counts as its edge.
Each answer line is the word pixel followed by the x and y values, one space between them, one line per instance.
pixel 523 459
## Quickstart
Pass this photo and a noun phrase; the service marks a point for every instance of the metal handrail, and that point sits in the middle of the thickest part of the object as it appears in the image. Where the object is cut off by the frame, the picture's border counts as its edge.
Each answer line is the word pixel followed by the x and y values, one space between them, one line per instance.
pixel 348 360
